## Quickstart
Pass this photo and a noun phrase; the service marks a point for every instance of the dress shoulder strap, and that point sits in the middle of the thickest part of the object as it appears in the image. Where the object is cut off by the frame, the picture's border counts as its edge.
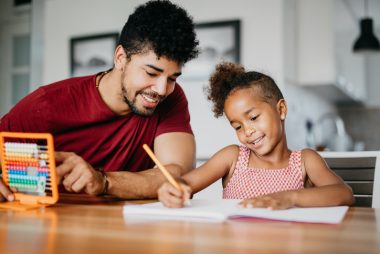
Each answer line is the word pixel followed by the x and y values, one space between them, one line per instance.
pixel 295 160
pixel 243 158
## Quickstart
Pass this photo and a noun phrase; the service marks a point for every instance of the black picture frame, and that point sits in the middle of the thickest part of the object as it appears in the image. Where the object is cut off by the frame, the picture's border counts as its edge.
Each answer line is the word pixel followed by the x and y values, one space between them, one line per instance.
pixel 218 41
pixel 92 54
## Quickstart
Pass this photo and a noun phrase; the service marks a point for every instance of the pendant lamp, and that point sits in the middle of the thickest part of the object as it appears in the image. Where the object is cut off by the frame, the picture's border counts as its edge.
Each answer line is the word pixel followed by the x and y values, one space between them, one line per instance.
pixel 367 40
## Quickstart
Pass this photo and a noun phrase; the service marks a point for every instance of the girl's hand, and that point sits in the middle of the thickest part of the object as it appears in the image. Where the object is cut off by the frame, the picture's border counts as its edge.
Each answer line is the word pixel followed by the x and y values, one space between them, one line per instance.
pixel 274 201
pixel 173 198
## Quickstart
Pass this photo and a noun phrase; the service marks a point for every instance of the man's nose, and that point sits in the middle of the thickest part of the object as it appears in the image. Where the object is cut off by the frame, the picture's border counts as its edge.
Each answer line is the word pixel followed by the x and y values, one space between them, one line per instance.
pixel 161 86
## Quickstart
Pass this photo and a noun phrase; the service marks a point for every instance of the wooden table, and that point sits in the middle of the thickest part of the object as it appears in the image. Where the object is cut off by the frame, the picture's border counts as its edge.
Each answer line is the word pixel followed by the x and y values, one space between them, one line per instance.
pixel 97 225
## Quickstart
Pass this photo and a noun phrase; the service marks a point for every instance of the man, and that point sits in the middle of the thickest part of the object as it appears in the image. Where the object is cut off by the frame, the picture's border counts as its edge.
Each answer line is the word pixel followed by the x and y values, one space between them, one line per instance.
pixel 100 122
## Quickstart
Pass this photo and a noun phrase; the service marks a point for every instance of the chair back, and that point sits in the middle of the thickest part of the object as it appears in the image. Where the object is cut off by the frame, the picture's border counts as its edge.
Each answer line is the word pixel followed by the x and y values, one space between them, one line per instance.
pixel 361 171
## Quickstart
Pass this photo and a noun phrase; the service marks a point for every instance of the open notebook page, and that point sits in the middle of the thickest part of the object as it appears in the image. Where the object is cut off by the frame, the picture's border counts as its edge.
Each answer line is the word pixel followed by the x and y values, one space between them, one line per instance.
pixel 220 210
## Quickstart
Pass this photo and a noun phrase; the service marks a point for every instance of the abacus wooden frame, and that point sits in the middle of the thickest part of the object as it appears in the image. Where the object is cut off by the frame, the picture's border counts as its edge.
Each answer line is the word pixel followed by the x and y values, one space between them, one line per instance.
pixel 28 198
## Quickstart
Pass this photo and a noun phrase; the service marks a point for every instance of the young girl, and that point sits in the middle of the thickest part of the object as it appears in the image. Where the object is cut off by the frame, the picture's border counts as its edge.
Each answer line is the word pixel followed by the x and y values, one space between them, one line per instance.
pixel 263 170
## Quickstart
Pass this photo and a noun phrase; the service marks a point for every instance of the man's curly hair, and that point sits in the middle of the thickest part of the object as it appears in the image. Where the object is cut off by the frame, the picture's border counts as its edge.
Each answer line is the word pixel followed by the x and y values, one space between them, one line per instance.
pixel 163 27
pixel 229 77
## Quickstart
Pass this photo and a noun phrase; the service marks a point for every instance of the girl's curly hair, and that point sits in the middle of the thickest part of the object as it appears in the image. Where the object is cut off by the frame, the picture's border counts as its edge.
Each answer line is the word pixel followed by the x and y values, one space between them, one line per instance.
pixel 229 77
pixel 163 27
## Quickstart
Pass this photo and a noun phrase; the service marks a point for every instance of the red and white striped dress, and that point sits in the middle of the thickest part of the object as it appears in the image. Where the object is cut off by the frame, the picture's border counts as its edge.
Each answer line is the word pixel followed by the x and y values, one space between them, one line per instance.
pixel 252 182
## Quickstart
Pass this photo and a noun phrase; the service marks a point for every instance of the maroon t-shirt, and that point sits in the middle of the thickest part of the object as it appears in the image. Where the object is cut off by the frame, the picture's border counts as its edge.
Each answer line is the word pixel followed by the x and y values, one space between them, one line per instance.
pixel 74 112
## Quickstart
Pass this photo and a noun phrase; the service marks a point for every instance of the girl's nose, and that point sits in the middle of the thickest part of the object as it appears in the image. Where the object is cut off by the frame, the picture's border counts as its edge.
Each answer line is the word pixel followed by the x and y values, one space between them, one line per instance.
pixel 249 131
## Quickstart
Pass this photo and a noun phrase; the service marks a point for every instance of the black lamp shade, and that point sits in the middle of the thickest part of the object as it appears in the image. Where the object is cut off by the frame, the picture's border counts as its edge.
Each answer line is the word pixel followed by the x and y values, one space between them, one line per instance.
pixel 367 41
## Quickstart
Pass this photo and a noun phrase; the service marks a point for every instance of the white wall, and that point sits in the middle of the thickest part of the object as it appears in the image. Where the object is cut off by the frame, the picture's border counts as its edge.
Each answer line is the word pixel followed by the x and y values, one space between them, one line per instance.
pixel 68 18
pixel 261 27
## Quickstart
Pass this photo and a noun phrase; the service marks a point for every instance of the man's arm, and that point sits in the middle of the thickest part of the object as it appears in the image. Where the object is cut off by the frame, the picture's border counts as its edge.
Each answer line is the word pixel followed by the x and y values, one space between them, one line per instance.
pixel 175 150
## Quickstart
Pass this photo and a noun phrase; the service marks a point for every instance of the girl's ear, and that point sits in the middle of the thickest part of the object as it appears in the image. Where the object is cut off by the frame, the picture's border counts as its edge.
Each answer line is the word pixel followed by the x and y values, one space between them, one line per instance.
pixel 120 58
pixel 282 109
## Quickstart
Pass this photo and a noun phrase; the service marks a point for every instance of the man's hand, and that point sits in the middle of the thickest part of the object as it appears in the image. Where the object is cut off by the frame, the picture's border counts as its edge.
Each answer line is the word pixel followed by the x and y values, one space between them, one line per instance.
pixel 77 175
pixel 5 193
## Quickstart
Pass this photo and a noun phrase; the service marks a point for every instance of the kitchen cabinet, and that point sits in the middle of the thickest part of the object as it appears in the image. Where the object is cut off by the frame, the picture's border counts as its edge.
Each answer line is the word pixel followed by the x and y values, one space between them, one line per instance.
pixel 318 45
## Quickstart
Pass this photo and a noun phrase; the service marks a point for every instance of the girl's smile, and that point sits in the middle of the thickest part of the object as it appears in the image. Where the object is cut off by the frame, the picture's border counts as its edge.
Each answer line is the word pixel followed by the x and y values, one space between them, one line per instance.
pixel 258 142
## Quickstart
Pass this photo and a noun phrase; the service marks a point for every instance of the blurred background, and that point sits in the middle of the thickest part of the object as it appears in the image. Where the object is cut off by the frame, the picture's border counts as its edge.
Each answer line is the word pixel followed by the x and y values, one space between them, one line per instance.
pixel 307 46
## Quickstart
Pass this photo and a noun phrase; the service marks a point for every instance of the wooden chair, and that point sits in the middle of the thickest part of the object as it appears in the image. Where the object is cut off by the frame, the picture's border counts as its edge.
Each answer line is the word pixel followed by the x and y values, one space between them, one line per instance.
pixel 360 170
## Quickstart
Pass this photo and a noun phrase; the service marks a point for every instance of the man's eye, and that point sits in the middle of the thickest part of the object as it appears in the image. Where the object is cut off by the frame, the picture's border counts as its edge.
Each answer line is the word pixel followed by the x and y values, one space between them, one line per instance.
pixel 237 128
pixel 172 79
pixel 151 74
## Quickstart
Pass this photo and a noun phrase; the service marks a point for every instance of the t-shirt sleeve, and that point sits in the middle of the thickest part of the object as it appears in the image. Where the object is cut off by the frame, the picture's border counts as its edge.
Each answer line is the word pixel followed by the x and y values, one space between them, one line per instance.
pixel 174 113
pixel 31 114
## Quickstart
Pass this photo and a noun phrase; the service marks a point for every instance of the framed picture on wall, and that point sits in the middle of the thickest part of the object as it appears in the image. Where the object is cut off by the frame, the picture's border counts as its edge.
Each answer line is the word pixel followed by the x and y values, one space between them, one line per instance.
pixel 92 54
pixel 218 41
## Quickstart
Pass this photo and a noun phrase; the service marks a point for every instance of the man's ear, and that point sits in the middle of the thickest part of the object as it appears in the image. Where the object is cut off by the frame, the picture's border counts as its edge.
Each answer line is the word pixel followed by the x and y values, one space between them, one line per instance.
pixel 282 108
pixel 120 58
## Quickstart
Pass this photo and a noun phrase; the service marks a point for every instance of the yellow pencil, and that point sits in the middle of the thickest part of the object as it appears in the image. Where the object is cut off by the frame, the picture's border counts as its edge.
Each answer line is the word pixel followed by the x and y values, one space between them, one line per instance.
pixel 162 168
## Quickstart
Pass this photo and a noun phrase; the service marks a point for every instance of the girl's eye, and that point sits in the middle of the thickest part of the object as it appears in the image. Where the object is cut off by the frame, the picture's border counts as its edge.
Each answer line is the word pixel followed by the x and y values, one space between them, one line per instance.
pixel 237 128
pixel 254 118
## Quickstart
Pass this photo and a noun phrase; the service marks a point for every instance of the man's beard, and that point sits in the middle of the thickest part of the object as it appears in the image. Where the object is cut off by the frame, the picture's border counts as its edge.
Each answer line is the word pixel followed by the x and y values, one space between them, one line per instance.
pixel 132 103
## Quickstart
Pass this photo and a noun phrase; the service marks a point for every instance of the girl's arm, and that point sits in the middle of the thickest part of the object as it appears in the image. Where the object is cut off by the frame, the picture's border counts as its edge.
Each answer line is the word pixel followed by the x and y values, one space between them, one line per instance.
pixel 327 189
pixel 217 167
pixel 196 180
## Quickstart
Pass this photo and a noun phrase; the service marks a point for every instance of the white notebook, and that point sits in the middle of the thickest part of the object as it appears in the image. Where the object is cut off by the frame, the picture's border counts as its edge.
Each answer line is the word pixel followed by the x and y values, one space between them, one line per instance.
pixel 221 210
